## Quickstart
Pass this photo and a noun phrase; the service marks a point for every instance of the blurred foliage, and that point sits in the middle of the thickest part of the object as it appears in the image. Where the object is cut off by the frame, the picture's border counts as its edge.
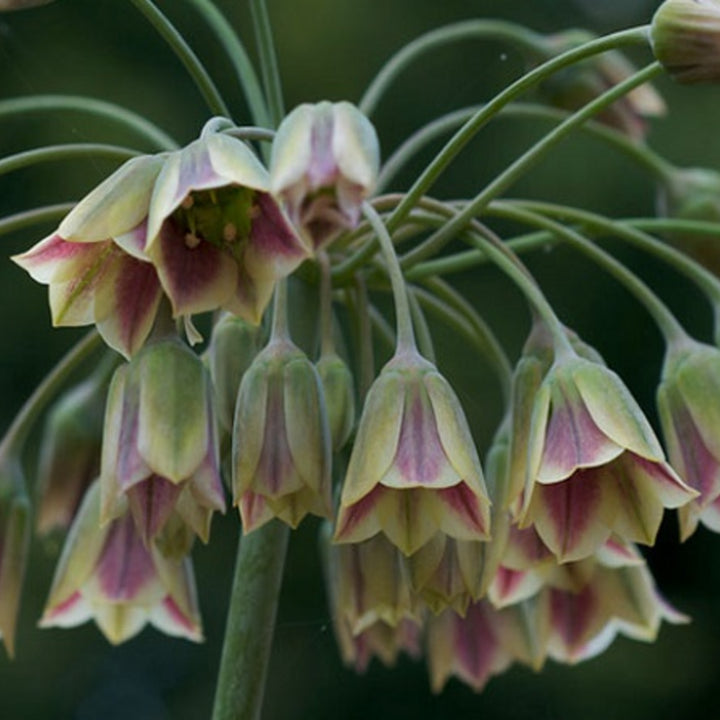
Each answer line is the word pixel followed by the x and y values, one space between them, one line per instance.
pixel 331 49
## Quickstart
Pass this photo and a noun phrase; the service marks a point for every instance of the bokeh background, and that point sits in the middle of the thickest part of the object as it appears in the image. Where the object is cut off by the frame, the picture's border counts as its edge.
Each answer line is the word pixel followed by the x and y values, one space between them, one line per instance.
pixel 330 49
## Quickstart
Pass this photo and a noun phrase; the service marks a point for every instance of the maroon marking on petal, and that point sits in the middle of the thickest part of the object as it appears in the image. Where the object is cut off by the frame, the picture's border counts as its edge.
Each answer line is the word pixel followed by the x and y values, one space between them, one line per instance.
pixel 276 465
pixel 353 515
pixel 151 504
pixel 188 274
pixel 322 170
pixel 572 505
pixel 64 606
pixel 270 234
pixel 701 467
pixel 420 456
pixel 507 581
pixel 137 293
pixel 178 616
pixel 475 643
pixel 463 501
pixel 125 565
pixel 572 438
pixel 529 544
pixel 572 615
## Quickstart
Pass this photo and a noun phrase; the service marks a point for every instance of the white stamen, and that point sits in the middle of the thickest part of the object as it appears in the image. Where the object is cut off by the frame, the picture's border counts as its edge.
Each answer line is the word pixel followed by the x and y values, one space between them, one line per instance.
pixel 191 241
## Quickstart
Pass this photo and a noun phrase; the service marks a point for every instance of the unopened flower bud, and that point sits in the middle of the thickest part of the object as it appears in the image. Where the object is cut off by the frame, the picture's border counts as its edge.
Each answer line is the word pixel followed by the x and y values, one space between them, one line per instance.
pixel 281 442
pixel 339 393
pixel 14 546
pixel 324 164
pixel 686 39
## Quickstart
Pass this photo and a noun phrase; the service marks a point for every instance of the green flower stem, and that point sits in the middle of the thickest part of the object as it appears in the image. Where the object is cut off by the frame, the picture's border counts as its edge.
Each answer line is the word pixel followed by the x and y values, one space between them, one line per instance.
pixel 359 305
pixel 637 151
pixel 327 344
pixel 629 231
pixel 665 320
pixel 187 57
pixel 405 334
pixel 14 439
pixel 268 61
pixel 382 327
pixel 251 623
pixel 280 326
pixel 28 218
pixel 468 131
pixel 99 108
pixel 235 50
pixel 696 227
pixel 447 35
pixel 484 338
pixel 484 342
pixel 441 237
pixel 68 151
pixel 251 133
pixel 424 337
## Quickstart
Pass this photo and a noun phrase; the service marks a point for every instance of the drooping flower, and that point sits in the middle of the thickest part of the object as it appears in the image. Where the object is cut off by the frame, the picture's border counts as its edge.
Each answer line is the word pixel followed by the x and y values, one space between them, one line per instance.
pixel 690 415
pixel 281 442
pixel 685 38
pixel 594 465
pixel 324 164
pixel 160 452
pixel 69 458
pixel 198 225
pixel 414 470
pixel 573 87
pixel 110 575
pixel 339 394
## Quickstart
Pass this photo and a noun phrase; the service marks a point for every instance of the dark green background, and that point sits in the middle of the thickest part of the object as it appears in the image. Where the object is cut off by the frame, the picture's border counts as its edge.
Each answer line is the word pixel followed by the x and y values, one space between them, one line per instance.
pixel 330 49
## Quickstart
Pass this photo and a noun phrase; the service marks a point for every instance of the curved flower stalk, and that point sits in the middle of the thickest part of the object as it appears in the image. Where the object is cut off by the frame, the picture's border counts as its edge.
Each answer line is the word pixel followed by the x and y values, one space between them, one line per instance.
pixel 160 452
pixel 197 225
pixel 414 470
pixel 594 465
pixel 108 574
pixel 325 162
pixel 281 441
pixel 688 406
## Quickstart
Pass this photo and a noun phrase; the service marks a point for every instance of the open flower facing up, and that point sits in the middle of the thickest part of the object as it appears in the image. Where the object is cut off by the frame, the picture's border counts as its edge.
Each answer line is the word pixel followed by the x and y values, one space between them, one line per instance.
pixel 414 470
pixel 594 464
pixel 281 441
pixel 160 452
pixel 108 574
pixel 688 403
pixel 198 225
pixel 324 164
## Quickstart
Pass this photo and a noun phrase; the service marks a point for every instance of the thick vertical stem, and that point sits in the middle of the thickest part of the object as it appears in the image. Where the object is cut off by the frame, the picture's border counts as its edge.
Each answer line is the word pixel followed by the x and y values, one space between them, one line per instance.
pixel 251 623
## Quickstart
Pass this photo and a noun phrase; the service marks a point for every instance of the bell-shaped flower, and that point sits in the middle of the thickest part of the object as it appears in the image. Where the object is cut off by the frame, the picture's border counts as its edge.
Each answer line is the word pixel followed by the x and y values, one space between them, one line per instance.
pixel 160 450
pixel 685 36
pixel 14 545
pixel 578 84
pixel 94 263
pixel 414 470
pixel 324 164
pixel 107 573
pixel 594 465
pixel 688 398
pixel 69 458
pixel 215 234
pixel 281 442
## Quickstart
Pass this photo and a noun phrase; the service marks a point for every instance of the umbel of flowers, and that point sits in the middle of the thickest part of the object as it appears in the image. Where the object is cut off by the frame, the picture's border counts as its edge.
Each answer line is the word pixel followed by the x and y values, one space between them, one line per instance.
pixel 426 553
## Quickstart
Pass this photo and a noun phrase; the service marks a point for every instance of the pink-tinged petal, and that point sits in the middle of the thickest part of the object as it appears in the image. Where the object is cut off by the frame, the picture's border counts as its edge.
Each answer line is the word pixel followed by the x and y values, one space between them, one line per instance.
pixel 134 241
pixel 617 552
pixel 254 511
pixel 710 516
pixel 73 611
pixel 573 440
pixel 195 277
pixel 274 248
pixel 125 567
pixel 126 304
pixel 420 460
pixel 56 260
pixel 525 549
pixel 251 296
pixel 569 515
pixel 151 502
pixel 170 619
pixel 359 521
pixel 410 518
pixel 459 512
pixel 513 586
pixel 576 618
pixel 120 622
